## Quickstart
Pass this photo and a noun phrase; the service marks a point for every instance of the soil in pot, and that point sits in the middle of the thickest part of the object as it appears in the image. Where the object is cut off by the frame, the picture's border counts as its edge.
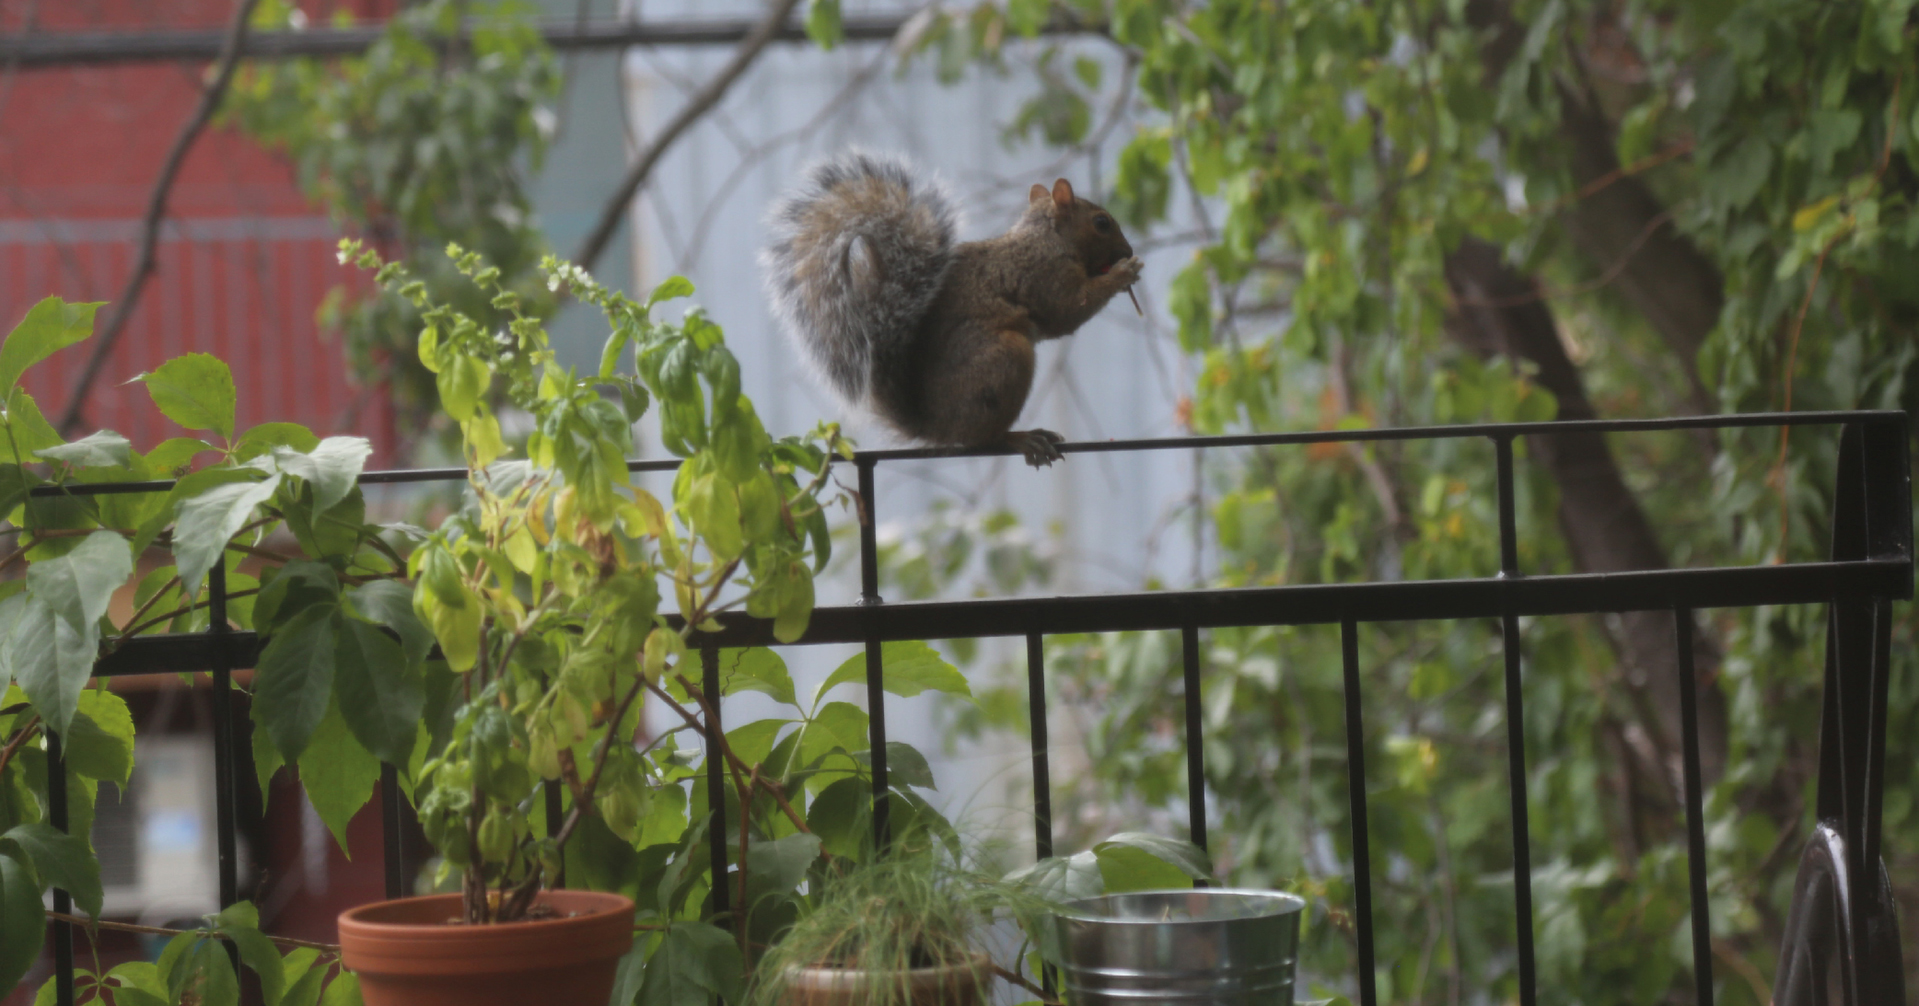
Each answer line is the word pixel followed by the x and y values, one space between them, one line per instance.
pixel 952 985
pixel 407 954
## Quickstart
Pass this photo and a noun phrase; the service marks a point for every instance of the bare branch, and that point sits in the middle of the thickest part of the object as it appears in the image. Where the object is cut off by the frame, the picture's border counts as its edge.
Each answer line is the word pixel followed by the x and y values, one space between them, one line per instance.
pixel 697 106
pixel 144 266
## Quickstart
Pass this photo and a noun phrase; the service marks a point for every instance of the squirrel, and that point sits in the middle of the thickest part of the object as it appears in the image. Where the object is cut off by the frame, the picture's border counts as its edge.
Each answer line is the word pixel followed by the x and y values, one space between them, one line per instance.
pixel 933 335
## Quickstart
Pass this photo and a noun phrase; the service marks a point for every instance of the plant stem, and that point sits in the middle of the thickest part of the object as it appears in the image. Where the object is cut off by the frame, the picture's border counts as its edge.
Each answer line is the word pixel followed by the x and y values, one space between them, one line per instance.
pixel 6 753
pixel 128 927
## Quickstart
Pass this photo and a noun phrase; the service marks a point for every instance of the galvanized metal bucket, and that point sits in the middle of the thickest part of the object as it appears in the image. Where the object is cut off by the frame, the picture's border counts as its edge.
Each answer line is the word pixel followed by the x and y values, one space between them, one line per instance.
pixel 1200 947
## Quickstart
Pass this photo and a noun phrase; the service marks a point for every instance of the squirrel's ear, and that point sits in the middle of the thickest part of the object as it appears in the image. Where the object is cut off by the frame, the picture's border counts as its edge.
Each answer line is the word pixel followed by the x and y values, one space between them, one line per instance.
pixel 1039 192
pixel 1063 194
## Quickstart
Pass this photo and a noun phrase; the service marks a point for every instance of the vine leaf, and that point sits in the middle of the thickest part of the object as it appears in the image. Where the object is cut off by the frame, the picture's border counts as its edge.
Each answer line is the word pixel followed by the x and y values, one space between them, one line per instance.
pixel 381 693
pixel 49 327
pixel 51 661
pixel 104 449
pixel 910 667
pixel 332 468
pixel 57 859
pixel 695 960
pixel 756 670
pixel 208 521
pixel 194 390
pixel 99 744
pixel 294 680
pixel 390 603
pixel 79 585
pixel 241 923
pixel 338 774
pixel 22 920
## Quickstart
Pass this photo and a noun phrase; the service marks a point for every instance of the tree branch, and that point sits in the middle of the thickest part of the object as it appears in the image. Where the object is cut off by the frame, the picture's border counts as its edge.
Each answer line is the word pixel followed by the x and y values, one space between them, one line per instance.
pixel 1604 527
pixel 696 106
pixel 144 266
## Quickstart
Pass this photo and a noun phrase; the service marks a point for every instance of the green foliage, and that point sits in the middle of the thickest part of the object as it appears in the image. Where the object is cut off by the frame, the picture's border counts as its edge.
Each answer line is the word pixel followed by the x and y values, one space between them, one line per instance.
pixel 195 968
pixel 1340 153
pixel 421 140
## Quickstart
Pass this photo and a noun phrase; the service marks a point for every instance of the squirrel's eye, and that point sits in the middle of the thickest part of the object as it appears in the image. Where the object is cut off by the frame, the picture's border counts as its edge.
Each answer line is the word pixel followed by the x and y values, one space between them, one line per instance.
pixel 1103 224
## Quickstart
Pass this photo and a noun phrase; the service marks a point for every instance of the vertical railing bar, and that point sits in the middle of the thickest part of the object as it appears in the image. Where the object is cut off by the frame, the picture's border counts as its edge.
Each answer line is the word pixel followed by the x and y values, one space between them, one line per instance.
pixel 1195 741
pixel 1515 729
pixel 223 754
pixel 715 783
pixel 1522 828
pixel 62 902
pixel 1876 740
pixel 1356 795
pixel 392 854
pixel 1042 774
pixel 1508 520
pixel 875 665
pixel 1695 811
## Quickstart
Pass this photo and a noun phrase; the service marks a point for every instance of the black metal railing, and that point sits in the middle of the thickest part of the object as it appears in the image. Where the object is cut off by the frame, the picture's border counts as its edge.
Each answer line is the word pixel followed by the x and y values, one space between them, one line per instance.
pixel 1842 931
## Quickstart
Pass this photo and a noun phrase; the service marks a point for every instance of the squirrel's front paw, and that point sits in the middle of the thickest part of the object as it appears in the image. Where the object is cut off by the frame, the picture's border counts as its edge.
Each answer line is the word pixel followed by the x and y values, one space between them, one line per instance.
pixel 1126 271
pixel 1037 446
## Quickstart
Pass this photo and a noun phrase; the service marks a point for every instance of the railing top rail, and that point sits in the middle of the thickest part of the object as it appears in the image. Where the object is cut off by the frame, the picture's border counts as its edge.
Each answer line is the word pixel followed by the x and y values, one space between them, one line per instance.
pixel 1305 437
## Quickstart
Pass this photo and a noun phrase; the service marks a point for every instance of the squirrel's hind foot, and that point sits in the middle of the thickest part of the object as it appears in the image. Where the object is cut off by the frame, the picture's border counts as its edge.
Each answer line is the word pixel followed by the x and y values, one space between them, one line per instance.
pixel 1039 446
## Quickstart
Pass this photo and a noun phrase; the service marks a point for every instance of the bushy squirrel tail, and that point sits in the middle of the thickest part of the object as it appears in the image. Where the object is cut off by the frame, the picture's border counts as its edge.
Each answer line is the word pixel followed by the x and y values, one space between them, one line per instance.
pixel 856 259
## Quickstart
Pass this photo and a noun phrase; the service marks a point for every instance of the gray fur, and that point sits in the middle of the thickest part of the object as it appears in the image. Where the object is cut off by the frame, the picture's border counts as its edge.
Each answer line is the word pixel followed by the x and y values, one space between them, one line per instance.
pixel 857 257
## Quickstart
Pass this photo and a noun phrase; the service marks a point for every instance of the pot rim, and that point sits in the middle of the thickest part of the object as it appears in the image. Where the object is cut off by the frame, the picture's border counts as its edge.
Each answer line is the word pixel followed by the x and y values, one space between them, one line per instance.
pixel 354 918
pixel 838 979
pixel 1289 904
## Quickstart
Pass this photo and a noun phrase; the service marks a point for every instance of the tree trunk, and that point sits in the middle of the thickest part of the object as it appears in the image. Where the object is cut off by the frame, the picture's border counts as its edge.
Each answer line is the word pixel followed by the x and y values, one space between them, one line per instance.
pixel 1499 311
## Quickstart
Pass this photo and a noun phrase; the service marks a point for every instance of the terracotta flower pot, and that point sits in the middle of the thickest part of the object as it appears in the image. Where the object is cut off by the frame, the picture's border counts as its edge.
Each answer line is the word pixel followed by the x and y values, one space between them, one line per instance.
pixel 952 985
pixel 407 955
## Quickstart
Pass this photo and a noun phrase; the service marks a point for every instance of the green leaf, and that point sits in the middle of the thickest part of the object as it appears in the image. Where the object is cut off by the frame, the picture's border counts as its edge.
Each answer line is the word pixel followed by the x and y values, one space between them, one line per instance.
pixel 51 661
pixel 695 960
pixel 23 922
pixel 265 437
pixel 905 766
pixel 390 603
pixel 332 468
pixel 209 520
pixel 627 979
pixel 241 922
pixel 294 680
pixel 195 390
pixel 49 327
pixel 823 23
pixel 671 288
pixel 842 817
pixel 99 743
pixel 58 860
pixel 1136 861
pixel 380 690
pixel 301 978
pixel 176 453
pixel 344 990
pixel 756 670
pixel 908 668
pixel 27 430
pixel 208 974
pixel 78 586
pixel 267 761
pixel 338 774
pixel 105 449
pixel 1063 878
pixel 781 864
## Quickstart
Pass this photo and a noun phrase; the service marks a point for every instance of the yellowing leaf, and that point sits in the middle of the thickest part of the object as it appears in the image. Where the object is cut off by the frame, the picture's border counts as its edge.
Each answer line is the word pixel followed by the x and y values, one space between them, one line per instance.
pixel 1808 217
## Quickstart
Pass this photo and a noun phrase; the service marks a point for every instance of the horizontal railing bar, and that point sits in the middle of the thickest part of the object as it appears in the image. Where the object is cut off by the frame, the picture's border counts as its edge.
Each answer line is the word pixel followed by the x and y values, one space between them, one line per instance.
pixel 1302 604
pixel 58 49
pixel 1302 438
